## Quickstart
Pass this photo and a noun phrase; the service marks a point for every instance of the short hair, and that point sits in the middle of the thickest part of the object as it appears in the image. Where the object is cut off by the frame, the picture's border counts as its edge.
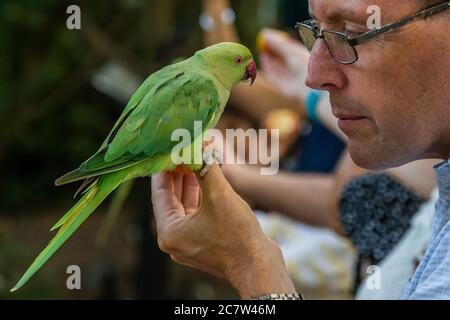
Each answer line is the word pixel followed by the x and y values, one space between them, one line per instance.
pixel 430 3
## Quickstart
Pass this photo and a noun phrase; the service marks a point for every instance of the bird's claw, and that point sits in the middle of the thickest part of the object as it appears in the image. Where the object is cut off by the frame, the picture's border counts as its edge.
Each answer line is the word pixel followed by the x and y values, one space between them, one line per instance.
pixel 211 156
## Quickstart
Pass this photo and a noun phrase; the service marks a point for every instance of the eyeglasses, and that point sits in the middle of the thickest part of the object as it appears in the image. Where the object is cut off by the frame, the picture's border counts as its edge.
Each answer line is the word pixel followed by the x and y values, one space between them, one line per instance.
pixel 343 47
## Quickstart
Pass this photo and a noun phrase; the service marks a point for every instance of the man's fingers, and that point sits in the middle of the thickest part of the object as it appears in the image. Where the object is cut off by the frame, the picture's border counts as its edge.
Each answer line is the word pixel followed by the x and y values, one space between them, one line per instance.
pixel 191 194
pixel 165 203
pixel 162 181
pixel 178 184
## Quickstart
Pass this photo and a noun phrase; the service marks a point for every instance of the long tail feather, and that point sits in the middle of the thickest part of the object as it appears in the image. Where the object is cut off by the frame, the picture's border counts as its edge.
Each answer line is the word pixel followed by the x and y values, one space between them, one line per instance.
pixel 76 209
pixel 115 208
pixel 70 222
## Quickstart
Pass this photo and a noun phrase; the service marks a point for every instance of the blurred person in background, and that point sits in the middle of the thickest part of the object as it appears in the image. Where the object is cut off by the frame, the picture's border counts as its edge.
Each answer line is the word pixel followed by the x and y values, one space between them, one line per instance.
pixel 315 255
pixel 263 101
pixel 427 289
pixel 49 88
pixel 262 105
pixel 399 265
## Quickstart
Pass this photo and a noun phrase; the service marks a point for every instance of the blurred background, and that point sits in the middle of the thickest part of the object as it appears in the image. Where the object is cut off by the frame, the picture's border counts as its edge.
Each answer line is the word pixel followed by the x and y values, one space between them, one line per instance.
pixel 61 91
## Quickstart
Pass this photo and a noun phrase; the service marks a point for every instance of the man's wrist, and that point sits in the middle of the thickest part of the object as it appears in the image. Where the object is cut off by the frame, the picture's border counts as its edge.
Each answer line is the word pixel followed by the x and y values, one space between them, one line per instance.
pixel 263 273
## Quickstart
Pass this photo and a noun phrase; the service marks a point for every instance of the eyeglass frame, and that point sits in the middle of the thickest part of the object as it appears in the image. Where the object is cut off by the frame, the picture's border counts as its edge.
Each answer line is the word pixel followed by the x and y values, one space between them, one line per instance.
pixel 369 35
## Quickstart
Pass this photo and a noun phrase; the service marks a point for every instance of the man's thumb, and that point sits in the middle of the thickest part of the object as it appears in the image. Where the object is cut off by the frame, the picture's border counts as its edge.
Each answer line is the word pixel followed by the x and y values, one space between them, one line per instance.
pixel 214 182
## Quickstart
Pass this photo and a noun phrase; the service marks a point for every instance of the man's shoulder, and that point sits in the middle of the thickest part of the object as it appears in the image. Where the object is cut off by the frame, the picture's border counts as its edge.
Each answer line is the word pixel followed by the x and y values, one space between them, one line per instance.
pixel 432 279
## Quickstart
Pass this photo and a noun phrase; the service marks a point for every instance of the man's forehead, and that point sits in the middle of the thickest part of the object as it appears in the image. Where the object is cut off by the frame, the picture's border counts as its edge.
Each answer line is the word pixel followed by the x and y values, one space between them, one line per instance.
pixel 356 10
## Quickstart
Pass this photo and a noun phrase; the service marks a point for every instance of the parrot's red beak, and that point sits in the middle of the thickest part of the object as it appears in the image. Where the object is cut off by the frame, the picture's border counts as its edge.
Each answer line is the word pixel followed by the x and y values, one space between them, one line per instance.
pixel 250 72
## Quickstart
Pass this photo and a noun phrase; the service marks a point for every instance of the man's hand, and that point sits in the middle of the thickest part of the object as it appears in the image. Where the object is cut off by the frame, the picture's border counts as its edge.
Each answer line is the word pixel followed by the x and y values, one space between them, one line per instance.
pixel 204 224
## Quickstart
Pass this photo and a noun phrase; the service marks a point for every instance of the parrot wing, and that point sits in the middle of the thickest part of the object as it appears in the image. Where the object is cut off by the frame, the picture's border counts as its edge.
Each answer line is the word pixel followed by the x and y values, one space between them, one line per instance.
pixel 146 125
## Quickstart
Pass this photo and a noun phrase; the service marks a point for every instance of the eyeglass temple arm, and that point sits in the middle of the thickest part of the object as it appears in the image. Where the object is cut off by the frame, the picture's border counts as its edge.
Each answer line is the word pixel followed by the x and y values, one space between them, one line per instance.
pixel 420 15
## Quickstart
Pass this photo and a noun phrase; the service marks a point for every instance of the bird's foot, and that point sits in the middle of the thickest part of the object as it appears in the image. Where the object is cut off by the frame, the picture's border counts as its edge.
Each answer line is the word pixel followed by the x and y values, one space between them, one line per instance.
pixel 211 156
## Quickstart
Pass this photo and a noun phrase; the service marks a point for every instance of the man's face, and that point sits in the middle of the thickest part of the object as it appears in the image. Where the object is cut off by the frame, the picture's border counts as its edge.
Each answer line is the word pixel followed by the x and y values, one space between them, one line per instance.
pixel 394 102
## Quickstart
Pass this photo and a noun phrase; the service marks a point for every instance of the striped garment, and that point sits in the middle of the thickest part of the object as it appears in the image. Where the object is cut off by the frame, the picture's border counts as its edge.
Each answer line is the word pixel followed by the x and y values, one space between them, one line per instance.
pixel 432 278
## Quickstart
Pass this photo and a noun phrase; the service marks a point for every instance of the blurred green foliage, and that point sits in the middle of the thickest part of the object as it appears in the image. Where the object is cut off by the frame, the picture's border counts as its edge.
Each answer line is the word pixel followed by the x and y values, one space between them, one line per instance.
pixel 51 118
pixel 14 256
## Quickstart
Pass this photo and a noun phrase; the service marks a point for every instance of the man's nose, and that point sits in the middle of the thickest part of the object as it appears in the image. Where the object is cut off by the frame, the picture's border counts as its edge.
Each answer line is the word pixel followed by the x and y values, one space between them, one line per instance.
pixel 324 72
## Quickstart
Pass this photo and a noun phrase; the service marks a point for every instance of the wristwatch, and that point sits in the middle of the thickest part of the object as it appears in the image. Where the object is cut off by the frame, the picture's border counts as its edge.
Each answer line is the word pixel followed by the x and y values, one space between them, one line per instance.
pixel 280 296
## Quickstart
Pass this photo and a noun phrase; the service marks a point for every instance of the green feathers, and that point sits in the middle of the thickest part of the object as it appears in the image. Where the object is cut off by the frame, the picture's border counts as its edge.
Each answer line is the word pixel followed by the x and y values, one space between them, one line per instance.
pixel 70 222
pixel 140 144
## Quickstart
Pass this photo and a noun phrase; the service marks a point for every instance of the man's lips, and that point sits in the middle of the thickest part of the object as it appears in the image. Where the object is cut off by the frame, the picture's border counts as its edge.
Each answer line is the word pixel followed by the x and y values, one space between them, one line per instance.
pixel 343 115
pixel 348 122
pixel 346 118
pixel 350 117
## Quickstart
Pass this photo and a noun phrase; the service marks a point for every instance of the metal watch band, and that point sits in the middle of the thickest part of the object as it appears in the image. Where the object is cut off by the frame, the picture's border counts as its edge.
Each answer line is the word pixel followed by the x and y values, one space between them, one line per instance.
pixel 280 296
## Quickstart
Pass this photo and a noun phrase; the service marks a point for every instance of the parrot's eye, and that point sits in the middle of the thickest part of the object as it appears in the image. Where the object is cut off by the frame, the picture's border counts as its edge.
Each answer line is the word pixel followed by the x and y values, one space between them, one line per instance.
pixel 238 60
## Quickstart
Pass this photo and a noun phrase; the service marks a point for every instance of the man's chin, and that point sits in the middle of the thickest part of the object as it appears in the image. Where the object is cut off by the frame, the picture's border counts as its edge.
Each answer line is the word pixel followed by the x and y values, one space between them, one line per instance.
pixel 368 158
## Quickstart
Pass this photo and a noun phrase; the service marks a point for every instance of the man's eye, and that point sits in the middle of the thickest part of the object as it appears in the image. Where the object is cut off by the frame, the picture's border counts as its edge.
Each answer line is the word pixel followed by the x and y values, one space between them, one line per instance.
pixel 352 33
pixel 315 25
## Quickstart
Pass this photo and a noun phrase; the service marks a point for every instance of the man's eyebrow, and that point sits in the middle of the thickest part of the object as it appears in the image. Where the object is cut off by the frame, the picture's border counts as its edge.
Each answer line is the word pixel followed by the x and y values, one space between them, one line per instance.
pixel 342 14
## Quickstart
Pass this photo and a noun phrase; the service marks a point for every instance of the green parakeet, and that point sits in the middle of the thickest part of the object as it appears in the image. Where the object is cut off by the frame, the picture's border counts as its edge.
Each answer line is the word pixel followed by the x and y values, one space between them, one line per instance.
pixel 139 144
